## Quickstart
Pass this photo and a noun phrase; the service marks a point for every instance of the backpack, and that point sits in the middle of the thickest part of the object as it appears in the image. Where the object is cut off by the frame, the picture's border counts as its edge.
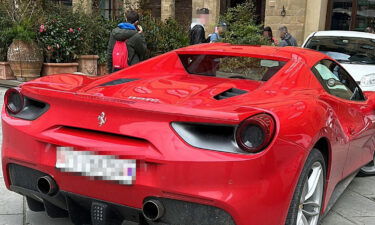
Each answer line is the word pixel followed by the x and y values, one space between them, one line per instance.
pixel 120 55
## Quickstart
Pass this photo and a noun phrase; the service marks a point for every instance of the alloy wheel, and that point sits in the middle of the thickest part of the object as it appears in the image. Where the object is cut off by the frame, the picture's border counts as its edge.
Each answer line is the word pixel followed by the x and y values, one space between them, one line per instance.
pixel 369 168
pixel 312 196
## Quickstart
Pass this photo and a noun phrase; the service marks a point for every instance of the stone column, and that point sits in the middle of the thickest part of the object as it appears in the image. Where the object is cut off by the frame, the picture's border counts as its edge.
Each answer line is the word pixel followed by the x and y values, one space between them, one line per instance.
pixel 85 5
pixel 131 4
pixel 168 9
pixel 316 14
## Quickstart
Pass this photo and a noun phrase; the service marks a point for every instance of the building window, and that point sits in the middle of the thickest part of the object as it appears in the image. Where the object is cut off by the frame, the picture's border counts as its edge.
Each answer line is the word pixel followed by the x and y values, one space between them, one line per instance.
pixel 351 14
pixel 365 14
pixel 110 9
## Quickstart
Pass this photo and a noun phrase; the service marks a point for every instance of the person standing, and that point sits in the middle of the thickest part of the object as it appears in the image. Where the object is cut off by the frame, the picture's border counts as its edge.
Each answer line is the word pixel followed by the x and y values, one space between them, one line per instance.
pixel 197 33
pixel 286 38
pixel 130 33
pixel 268 35
pixel 219 31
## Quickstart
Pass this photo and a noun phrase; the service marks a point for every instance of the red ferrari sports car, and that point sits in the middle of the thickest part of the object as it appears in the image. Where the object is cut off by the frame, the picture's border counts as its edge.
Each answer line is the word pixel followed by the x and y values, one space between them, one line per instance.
pixel 213 134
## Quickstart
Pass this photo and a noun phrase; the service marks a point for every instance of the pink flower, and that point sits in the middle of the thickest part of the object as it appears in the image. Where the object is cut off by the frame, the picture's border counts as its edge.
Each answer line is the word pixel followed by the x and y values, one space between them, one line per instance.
pixel 71 30
pixel 49 47
pixel 42 28
pixel 79 29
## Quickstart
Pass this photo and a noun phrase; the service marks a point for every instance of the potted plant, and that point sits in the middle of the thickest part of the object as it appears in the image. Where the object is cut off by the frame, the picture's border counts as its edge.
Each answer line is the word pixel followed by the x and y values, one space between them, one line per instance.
pixel 95 31
pixel 24 56
pixel 102 65
pixel 60 38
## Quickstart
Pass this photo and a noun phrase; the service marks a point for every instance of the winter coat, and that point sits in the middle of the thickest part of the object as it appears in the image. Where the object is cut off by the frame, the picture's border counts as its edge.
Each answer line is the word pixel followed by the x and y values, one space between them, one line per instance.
pixel 197 34
pixel 136 44
pixel 288 40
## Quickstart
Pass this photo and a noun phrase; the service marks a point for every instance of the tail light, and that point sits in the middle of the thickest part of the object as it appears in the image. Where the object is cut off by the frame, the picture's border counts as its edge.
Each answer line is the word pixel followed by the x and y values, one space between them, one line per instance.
pixel 255 133
pixel 22 107
pixel 14 101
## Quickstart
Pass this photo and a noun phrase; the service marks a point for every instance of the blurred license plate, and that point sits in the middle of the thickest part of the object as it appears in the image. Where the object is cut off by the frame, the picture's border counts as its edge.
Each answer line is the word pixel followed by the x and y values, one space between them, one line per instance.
pixel 103 167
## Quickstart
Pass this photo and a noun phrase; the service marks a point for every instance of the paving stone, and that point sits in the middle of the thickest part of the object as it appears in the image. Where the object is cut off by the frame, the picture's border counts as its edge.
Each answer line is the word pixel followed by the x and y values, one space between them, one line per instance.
pixel 365 220
pixel 364 186
pixel 11 203
pixel 11 219
pixel 354 205
pixel 335 219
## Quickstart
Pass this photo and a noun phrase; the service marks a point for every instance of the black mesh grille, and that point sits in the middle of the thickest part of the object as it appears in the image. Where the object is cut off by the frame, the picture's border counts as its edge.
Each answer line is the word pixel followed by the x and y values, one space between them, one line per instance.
pixel 118 81
pixel 230 93
pixel 24 177
pixel 188 213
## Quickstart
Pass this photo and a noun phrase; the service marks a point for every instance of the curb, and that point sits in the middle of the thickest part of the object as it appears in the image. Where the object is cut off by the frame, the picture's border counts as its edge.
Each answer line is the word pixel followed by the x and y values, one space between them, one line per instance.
pixel 10 83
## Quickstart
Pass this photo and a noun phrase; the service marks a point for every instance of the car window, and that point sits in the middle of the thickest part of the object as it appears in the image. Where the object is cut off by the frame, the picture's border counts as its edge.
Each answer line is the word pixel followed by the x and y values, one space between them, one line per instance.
pixel 337 81
pixel 235 67
pixel 352 50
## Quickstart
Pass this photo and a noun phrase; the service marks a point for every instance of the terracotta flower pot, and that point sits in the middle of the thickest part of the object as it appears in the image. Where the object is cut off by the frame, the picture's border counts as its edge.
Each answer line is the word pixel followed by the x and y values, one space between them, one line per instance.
pixel 59 68
pixel 88 64
pixel 6 72
pixel 25 59
pixel 102 69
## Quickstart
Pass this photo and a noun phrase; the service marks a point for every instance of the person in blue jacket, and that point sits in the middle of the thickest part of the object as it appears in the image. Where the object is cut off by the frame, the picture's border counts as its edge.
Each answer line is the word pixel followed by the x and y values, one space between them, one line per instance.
pixel 219 31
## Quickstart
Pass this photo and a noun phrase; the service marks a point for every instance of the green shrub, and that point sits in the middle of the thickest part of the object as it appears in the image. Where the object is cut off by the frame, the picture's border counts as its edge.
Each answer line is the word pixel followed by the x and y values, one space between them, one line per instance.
pixel 23 30
pixel 95 31
pixel 60 34
pixel 5 38
pixel 242 28
pixel 163 36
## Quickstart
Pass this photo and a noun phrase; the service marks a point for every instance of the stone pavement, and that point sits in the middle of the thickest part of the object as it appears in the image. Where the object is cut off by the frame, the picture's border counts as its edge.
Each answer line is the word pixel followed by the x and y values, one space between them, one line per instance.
pixel 355 207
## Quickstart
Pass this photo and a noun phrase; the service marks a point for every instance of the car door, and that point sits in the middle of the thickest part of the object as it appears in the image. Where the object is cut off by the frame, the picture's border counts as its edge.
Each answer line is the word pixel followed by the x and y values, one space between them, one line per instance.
pixel 352 110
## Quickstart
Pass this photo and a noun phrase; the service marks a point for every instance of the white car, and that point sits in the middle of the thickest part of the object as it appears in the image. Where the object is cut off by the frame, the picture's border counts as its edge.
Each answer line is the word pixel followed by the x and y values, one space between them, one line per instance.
pixel 354 50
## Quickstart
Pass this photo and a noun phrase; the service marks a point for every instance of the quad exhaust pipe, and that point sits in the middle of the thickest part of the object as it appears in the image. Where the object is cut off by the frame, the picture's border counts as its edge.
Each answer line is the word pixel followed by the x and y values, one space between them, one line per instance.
pixel 47 185
pixel 153 210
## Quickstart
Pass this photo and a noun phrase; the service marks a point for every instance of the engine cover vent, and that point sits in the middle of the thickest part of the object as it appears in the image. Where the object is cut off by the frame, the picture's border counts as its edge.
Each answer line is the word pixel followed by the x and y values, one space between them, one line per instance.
pixel 118 81
pixel 230 93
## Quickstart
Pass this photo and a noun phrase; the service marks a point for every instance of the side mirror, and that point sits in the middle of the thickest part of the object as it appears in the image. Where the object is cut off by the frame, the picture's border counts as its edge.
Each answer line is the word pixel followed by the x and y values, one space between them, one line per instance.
pixel 331 82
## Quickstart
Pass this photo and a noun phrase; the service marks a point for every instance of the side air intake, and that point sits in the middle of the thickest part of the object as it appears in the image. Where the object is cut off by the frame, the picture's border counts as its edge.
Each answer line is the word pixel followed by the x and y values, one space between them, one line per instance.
pixel 230 93
pixel 118 81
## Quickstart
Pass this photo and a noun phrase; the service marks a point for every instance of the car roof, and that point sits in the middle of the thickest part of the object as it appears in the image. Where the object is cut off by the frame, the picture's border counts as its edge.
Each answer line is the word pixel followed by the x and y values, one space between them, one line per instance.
pixel 340 33
pixel 271 52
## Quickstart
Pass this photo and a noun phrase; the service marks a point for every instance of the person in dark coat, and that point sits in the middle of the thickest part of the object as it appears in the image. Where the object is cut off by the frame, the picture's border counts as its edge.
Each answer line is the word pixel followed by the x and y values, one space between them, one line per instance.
pixel 286 38
pixel 197 31
pixel 136 43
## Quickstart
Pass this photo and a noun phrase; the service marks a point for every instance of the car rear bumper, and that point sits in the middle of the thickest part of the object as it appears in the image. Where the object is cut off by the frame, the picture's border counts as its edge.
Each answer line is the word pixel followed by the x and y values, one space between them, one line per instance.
pixel 235 189
pixel 87 210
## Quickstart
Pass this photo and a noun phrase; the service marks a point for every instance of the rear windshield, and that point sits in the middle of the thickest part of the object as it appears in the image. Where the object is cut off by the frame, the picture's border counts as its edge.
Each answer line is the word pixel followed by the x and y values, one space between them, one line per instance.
pixel 231 66
pixel 345 49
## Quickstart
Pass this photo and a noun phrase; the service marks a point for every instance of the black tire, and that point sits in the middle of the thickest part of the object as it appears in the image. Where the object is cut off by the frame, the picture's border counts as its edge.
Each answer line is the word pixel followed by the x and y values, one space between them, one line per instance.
pixel 314 156
pixel 364 172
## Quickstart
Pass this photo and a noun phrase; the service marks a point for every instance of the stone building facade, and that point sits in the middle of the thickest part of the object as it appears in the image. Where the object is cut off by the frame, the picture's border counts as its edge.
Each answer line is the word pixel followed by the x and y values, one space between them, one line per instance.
pixel 302 17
